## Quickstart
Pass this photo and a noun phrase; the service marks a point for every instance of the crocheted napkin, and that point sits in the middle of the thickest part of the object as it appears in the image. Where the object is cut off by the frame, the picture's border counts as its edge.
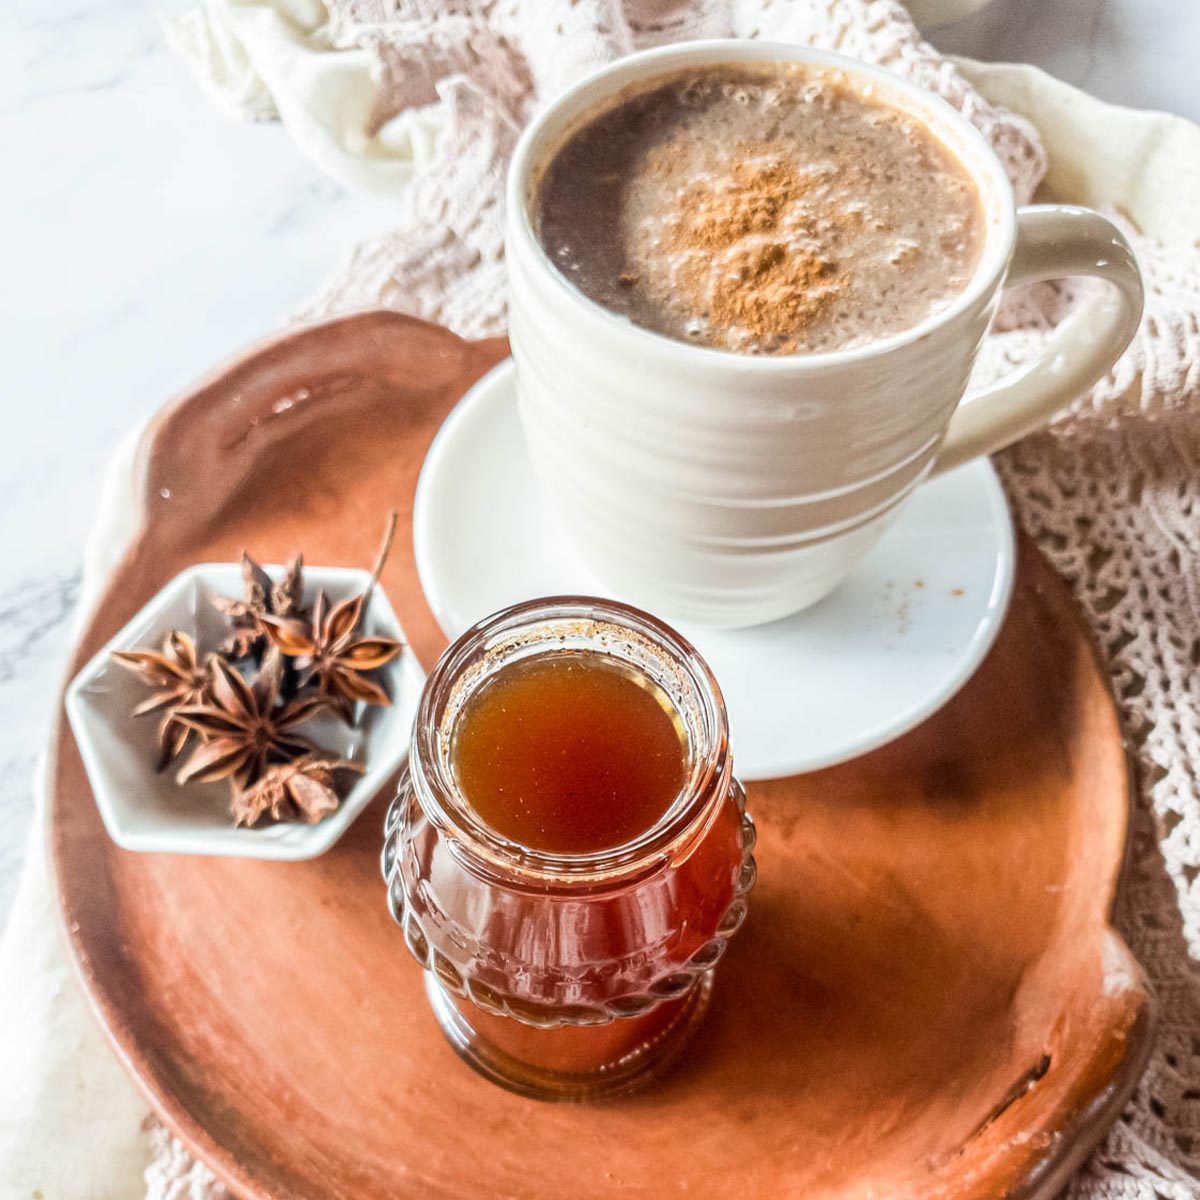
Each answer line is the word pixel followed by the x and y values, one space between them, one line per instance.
pixel 422 101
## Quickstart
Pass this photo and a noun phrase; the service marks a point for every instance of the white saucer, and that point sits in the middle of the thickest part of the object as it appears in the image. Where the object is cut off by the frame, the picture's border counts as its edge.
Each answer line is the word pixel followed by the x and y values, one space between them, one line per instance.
pixel 875 658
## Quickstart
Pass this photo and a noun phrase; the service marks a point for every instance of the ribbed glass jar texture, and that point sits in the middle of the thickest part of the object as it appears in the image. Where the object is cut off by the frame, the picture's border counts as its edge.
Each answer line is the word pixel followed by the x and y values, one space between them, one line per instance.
pixel 569 975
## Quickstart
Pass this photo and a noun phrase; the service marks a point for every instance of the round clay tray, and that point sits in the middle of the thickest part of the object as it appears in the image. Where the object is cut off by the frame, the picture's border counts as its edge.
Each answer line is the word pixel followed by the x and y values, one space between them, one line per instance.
pixel 927 999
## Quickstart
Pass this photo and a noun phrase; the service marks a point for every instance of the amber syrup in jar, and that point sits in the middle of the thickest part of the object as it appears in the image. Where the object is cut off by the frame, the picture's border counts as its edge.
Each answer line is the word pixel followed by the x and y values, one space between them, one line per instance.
pixel 569 853
pixel 571 752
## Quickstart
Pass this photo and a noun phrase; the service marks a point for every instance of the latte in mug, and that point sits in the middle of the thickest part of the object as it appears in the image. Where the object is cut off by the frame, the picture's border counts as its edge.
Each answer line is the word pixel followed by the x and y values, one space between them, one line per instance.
pixel 748 284
pixel 768 208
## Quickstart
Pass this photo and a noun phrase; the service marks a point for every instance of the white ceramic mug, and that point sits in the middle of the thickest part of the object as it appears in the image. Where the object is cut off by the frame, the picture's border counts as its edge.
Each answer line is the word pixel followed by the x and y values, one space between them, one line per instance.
pixel 731 489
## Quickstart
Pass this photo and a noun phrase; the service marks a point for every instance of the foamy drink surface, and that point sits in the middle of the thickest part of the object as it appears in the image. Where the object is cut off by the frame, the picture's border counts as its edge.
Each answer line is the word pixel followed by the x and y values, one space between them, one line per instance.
pixel 763 210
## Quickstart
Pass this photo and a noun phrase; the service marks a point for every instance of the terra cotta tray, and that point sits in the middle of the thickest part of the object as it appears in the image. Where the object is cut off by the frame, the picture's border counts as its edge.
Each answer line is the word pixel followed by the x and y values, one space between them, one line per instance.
pixel 927 1000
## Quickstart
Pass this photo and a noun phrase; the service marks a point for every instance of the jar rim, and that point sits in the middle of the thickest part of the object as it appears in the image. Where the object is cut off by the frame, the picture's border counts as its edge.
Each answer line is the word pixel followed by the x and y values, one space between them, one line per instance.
pixel 527 626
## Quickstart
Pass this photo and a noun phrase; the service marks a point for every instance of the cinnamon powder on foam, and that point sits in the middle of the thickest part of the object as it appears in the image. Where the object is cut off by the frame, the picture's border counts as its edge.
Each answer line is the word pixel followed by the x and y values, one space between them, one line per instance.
pixel 743 246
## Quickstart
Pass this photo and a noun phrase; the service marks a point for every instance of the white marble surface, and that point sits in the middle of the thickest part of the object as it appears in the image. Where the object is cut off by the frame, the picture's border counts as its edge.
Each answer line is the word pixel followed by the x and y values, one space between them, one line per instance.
pixel 146 237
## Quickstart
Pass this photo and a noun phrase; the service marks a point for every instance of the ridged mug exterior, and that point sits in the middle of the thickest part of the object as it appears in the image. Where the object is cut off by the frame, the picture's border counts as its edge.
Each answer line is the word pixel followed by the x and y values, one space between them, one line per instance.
pixel 721 488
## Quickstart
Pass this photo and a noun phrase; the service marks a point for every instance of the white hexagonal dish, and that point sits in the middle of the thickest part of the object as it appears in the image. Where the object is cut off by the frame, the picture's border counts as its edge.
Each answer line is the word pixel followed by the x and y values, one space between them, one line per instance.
pixel 144 810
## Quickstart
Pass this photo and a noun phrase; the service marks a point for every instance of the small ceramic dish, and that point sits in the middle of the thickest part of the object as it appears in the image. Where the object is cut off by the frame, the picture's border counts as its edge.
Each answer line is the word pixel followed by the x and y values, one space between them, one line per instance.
pixel 144 810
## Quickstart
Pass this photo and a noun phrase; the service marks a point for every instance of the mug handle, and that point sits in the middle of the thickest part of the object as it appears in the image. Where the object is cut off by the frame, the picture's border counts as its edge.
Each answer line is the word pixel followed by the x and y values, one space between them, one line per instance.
pixel 1053 241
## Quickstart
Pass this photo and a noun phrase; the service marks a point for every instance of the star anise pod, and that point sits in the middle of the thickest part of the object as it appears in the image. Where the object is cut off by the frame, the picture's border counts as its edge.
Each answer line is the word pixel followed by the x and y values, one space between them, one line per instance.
pixel 244 726
pixel 328 647
pixel 331 651
pixel 260 597
pixel 305 790
pixel 178 678
pixel 287 596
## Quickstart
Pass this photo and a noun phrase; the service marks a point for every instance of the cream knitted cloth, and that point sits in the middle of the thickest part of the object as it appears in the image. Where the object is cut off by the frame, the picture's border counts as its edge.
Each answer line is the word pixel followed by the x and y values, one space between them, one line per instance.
pixel 422 100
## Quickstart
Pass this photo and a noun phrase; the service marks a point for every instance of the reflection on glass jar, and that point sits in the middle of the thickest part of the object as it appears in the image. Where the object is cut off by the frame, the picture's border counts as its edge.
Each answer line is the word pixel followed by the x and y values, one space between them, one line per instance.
pixel 577 970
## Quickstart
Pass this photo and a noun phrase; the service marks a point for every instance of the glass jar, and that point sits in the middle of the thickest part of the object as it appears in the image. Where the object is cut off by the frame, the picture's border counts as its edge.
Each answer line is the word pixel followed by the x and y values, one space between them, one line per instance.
pixel 569 975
